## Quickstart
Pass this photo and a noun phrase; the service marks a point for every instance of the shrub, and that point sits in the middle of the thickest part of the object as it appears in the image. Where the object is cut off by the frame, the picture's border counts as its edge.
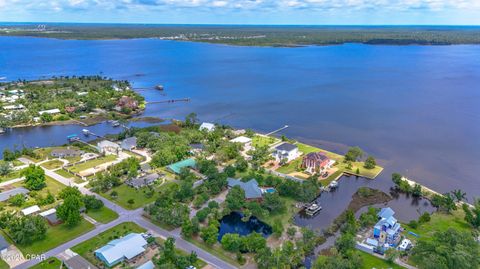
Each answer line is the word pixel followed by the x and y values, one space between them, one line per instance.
pixel 413 224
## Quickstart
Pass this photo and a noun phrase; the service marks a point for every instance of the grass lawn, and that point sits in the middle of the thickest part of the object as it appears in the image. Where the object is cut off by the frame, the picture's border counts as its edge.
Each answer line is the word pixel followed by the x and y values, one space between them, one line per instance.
pixel 440 222
pixel 53 186
pixel 12 175
pixel 215 250
pixel 103 215
pixel 53 164
pixel 92 163
pixel 342 167
pixel 4 265
pixel 370 261
pixel 66 174
pixel 199 264
pixel 125 193
pixel 56 236
pixel 50 263
pixel 86 249
pixel 261 141
pixel 44 153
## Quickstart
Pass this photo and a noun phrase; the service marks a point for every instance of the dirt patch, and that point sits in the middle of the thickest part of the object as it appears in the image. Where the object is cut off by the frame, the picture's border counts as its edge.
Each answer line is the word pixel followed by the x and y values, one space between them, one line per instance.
pixel 370 197
pixel 170 128
pixel 148 119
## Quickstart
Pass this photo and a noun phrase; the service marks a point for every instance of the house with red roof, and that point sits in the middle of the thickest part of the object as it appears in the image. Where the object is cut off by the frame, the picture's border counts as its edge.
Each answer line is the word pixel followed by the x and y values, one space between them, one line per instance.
pixel 314 162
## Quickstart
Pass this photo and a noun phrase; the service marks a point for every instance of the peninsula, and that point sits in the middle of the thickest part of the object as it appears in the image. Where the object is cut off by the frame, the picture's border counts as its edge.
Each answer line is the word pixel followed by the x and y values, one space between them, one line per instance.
pixel 84 99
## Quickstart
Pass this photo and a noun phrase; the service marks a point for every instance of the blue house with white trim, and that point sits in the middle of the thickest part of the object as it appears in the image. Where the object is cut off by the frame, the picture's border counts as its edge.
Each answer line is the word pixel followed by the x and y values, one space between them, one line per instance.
pixel 119 250
pixel 387 230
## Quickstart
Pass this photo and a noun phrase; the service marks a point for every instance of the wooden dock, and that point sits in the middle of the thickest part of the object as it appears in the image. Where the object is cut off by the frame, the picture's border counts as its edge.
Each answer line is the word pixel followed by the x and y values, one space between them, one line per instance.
pixel 169 101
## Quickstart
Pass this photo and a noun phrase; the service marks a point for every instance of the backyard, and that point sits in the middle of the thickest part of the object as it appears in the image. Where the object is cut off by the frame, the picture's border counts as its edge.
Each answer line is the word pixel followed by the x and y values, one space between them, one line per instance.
pixel 92 163
pixel 86 249
pixel 57 235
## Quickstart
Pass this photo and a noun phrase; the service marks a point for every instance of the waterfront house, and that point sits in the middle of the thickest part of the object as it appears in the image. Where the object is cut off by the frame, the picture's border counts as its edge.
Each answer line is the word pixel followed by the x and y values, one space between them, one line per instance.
pixel 108 148
pixel 143 181
pixel 315 162
pixel 49 111
pixel 178 166
pixel 246 142
pixel 129 143
pixel 4 196
pixel 251 189
pixel 122 249
pixel 285 152
pixel 3 245
pixel 62 153
pixel 127 102
pixel 387 230
pixel 30 210
pixel 209 127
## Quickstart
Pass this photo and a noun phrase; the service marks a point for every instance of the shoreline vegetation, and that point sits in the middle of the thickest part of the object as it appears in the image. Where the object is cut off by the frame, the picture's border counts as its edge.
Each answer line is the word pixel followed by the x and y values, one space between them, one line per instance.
pixel 256 35
pixel 83 100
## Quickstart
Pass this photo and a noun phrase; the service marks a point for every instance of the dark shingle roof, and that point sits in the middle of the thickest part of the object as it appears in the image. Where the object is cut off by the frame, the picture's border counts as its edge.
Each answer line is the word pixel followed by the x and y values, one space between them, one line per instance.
pixel 316 156
pixel 252 191
pixel 143 181
pixel 129 143
pixel 286 147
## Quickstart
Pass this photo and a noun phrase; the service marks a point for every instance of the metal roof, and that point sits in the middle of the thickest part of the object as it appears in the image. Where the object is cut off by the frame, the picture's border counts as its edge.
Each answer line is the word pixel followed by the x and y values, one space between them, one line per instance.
pixel 252 191
pixel 7 194
pixel 177 167
pixel 127 247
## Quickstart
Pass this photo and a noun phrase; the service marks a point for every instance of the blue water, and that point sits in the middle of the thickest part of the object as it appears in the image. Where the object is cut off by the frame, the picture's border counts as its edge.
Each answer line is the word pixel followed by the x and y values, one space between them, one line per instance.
pixel 233 223
pixel 416 108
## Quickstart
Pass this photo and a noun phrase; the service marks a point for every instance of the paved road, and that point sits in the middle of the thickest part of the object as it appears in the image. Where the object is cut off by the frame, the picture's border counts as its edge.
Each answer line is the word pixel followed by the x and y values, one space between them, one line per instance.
pixel 124 216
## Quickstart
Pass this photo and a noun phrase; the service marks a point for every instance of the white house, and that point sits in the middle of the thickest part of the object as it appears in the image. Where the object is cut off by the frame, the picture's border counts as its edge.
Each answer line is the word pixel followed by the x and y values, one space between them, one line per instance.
pixel 285 152
pixel 30 210
pixel 14 107
pixel 108 148
pixel 207 126
pixel 50 111
pixel 245 141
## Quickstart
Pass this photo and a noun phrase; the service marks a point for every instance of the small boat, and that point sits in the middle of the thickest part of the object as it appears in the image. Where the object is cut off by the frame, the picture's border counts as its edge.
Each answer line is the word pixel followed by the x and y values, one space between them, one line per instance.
pixel 115 123
pixel 333 184
pixel 73 138
pixel 159 87
pixel 2 131
pixel 313 209
pixel 85 132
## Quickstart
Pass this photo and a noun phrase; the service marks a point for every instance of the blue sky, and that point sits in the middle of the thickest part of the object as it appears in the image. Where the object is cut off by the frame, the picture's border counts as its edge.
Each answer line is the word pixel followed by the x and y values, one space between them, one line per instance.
pixel 431 12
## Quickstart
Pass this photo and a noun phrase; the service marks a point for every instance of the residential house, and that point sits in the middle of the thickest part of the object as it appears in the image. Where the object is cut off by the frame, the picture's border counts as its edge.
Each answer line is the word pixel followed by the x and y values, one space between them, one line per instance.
pixel 70 109
pixel 62 153
pixel 14 107
pixel 314 162
pixel 285 152
pixel 387 230
pixel 49 111
pixel 209 127
pixel 4 196
pixel 178 166
pixel 127 102
pixel 3 245
pixel 147 265
pixel 196 148
pixel 245 141
pixel 78 262
pixel 108 148
pixel 30 210
pixel 252 191
pixel 122 249
pixel 145 168
pixel 143 181
pixel 129 143
pixel 51 216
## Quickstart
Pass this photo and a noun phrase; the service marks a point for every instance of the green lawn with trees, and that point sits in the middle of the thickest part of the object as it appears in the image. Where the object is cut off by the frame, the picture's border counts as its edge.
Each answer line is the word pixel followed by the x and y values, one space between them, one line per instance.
pixel 130 198
pixel 92 163
pixel 53 164
pixel 370 262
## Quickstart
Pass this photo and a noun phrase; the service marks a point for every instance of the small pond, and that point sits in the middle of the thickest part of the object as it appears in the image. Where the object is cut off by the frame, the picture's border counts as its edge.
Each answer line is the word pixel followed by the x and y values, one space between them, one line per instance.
pixel 233 223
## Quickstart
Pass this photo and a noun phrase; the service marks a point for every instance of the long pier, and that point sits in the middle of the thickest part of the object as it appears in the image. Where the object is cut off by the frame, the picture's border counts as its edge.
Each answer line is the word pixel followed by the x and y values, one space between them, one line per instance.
pixel 170 101
pixel 278 130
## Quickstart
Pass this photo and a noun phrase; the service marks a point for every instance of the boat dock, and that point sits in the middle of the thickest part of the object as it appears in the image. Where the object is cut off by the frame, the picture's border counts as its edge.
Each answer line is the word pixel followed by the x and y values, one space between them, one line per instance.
pixel 170 101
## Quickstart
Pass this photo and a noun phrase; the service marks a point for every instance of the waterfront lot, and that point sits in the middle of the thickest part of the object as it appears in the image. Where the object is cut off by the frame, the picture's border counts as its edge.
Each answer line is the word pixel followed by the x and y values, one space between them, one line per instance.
pixel 102 215
pixel 44 153
pixel 57 235
pixel 294 165
pixel 86 249
pixel 262 141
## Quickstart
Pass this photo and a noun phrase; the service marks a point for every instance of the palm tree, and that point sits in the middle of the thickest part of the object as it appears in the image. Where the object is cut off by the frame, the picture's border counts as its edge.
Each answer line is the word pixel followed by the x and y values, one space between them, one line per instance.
pixel 449 202
pixel 459 195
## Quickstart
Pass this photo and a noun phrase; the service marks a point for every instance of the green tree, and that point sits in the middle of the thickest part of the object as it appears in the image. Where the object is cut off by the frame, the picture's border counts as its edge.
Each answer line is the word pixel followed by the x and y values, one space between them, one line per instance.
pixel 273 203
pixel 232 242
pixel 191 119
pixel 459 195
pixel 17 200
pixel 91 202
pixel 472 215
pixel 450 249
pixel 391 255
pixel 69 210
pixel 370 163
pixel 235 199
pixel 28 229
pixel 209 234
pixel 187 228
pixel 353 154
pixel 34 177
pixel 5 168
